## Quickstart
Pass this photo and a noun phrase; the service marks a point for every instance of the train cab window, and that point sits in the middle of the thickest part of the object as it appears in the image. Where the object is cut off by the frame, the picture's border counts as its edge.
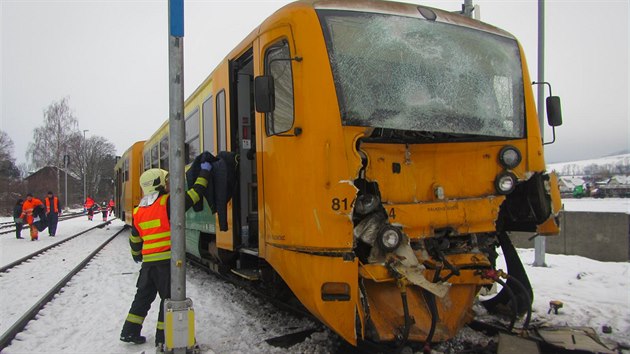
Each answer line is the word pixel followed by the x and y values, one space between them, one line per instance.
pixel 208 125
pixel 221 133
pixel 192 136
pixel 147 161
pixel 164 153
pixel 277 65
pixel 126 170
pixel 155 156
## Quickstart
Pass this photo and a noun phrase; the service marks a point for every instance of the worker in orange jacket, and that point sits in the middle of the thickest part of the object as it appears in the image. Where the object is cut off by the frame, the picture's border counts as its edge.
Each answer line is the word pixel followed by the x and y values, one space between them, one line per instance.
pixel 89 207
pixel 52 213
pixel 28 209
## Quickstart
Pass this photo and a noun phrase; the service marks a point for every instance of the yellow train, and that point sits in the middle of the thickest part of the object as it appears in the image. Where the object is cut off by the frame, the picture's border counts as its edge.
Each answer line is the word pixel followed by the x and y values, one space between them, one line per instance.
pixel 385 151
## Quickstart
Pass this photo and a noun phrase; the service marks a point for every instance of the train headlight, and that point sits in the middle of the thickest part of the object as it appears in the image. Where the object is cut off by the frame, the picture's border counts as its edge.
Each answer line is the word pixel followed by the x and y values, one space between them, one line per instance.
pixel 505 183
pixel 509 157
pixel 389 238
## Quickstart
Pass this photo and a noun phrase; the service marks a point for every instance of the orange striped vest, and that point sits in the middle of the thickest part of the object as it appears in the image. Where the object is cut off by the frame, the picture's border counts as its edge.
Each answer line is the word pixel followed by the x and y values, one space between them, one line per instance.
pixel 155 229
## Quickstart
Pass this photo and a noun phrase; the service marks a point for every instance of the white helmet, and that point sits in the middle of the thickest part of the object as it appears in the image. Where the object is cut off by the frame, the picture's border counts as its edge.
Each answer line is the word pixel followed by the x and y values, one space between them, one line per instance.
pixel 153 180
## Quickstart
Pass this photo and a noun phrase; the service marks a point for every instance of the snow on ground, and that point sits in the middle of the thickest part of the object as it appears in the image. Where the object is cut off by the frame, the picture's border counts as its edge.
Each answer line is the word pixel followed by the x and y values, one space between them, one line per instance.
pixel 88 315
pixel 610 205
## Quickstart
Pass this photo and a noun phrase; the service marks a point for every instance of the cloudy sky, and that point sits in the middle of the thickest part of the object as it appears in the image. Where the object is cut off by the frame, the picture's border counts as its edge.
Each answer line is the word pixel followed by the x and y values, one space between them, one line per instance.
pixel 110 57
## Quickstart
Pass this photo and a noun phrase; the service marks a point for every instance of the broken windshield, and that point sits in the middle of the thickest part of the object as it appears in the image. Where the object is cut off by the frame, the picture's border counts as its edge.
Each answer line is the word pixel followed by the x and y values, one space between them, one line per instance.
pixel 411 74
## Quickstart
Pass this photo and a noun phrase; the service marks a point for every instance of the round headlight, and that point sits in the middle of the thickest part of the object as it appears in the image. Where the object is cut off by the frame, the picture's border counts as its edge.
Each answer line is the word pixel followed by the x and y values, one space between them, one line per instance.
pixel 509 156
pixel 389 238
pixel 505 183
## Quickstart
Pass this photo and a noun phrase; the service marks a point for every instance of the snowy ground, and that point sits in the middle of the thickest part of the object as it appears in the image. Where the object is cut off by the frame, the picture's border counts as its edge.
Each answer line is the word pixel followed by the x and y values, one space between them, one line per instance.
pixel 87 316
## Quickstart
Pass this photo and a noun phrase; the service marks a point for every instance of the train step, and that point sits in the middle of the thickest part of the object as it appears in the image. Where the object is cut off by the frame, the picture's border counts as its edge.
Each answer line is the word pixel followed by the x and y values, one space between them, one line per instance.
pixel 249 274
pixel 249 250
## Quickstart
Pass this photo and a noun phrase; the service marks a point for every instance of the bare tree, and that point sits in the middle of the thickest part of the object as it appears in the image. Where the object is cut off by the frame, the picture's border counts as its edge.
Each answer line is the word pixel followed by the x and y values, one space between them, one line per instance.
pixel 10 184
pixel 93 159
pixel 51 141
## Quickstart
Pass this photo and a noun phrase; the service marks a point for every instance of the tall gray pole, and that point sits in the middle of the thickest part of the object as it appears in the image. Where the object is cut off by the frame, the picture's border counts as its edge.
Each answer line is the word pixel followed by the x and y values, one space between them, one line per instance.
pixel 539 242
pixel 178 310
pixel 66 160
pixel 84 168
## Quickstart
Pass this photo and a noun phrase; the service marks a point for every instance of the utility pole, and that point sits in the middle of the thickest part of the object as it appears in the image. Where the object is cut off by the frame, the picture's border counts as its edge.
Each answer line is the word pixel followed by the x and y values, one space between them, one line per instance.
pixel 539 242
pixel 84 168
pixel 179 325
pixel 66 161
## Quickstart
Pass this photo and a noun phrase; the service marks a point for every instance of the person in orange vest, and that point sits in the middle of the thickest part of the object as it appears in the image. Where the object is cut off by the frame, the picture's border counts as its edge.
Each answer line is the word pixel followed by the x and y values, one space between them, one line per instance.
pixel 28 211
pixel 150 242
pixel 89 205
pixel 53 210
pixel 111 206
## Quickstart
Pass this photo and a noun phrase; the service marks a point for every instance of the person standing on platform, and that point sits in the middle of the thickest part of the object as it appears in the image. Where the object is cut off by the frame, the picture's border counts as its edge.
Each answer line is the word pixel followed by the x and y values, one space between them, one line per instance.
pixel 17 217
pixel 28 209
pixel 53 210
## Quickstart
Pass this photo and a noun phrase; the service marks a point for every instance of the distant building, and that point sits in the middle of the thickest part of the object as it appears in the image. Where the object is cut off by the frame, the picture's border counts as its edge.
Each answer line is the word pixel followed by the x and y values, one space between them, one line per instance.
pixel 45 179
pixel 568 184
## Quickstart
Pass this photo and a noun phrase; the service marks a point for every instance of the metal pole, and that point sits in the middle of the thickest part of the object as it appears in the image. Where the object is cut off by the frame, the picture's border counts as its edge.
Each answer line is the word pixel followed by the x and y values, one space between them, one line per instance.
pixel 84 168
pixel 66 160
pixel 175 326
pixel 467 8
pixel 539 242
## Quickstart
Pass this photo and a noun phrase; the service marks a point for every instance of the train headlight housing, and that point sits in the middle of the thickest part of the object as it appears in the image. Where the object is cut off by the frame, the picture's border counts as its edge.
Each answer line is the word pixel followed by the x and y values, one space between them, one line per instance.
pixel 509 157
pixel 389 238
pixel 505 183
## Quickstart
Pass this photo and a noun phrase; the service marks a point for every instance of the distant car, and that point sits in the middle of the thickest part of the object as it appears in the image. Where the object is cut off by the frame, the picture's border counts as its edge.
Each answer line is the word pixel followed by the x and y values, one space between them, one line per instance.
pixel 598 193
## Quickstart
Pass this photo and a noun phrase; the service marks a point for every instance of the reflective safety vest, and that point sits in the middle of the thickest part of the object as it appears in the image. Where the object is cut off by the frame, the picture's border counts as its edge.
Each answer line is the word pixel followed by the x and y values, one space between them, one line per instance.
pixel 55 205
pixel 155 230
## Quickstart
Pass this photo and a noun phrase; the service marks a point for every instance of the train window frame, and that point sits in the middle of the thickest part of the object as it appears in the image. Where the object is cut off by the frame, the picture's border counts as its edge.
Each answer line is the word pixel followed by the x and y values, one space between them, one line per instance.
pixel 272 118
pixel 164 145
pixel 146 157
pixel 192 135
pixel 221 121
pixel 126 170
pixel 207 117
pixel 155 156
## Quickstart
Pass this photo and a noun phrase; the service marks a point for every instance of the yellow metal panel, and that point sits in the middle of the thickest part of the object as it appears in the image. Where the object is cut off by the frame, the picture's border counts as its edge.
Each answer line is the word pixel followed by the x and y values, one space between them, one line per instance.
pixel 306 281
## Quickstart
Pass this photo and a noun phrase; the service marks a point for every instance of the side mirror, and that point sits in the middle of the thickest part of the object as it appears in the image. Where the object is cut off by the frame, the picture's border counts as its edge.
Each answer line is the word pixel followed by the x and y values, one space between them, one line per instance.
pixel 554 111
pixel 264 94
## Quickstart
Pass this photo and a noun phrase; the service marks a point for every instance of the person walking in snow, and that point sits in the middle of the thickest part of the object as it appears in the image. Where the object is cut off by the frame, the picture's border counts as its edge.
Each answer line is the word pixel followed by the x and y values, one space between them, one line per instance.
pixel 53 210
pixel 104 210
pixel 150 242
pixel 17 217
pixel 28 212
pixel 89 207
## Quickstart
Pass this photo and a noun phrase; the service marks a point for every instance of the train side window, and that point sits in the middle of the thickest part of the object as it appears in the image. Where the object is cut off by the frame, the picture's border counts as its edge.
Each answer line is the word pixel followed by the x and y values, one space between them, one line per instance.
pixel 208 125
pixel 126 170
pixel 279 67
pixel 221 133
pixel 155 156
pixel 164 153
pixel 192 135
pixel 147 160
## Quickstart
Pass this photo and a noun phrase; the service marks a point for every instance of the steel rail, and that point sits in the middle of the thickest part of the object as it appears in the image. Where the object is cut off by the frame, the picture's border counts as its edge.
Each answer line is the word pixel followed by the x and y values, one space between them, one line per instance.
pixel 18 326
pixel 61 218
pixel 40 251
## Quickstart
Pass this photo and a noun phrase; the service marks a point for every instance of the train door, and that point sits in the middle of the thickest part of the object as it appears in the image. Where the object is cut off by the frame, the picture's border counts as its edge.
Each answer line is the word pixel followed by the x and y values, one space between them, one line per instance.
pixel 243 136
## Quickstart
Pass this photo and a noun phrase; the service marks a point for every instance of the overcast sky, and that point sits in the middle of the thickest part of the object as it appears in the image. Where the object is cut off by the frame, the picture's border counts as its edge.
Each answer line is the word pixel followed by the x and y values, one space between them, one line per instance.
pixel 110 57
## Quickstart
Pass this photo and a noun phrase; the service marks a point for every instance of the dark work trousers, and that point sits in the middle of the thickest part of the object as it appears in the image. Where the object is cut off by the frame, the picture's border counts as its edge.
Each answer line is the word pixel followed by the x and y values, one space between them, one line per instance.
pixel 153 280
pixel 18 230
pixel 52 218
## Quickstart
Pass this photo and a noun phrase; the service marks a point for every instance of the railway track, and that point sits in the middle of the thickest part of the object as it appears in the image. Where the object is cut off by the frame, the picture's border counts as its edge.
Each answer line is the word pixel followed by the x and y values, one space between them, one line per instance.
pixel 40 266
pixel 9 226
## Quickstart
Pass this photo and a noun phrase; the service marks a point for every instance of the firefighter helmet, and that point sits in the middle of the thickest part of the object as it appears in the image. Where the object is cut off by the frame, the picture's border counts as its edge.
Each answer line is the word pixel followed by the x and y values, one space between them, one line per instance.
pixel 153 180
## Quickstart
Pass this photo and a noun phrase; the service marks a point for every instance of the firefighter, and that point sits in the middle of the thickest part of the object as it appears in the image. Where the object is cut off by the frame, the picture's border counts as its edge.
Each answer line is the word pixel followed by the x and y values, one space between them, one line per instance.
pixel 28 209
pixel 89 207
pixel 52 213
pixel 150 242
